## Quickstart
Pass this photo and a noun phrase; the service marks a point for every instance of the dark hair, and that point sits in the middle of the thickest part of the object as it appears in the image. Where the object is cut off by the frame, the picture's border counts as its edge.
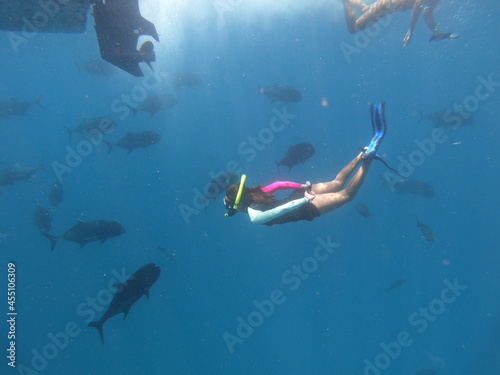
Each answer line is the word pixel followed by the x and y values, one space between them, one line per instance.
pixel 250 195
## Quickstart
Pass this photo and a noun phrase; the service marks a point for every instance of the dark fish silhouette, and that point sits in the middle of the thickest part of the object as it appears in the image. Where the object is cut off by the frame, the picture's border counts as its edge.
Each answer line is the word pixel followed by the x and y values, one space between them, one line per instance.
pixel 281 93
pixel 415 187
pixel 186 80
pixel 132 141
pixel 156 103
pixel 128 294
pixel 43 220
pixel 88 231
pixel 219 184
pixel 17 174
pixel 56 194
pixel 446 117
pixel 296 154
pixel 89 125
pixel 396 284
pixel 11 107
pixel 363 210
pixel 97 67
pixel 427 232
pixel 118 25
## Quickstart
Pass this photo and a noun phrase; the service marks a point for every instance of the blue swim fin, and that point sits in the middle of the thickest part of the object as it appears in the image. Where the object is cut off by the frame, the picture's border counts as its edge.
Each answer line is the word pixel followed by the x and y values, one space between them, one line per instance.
pixel 379 126
pixel 379 129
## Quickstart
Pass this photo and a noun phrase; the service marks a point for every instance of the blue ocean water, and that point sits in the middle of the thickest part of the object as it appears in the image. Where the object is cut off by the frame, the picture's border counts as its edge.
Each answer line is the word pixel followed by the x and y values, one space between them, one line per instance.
pixel 301 298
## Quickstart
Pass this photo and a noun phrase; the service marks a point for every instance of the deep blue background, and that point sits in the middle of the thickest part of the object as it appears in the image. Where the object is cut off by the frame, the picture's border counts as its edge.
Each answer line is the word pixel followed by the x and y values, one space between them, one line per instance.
pixel 342 313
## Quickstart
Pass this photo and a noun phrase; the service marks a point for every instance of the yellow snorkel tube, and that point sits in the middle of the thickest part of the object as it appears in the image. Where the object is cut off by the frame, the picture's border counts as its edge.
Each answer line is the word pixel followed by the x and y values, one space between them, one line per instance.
pixel 234 208
pixel 240 191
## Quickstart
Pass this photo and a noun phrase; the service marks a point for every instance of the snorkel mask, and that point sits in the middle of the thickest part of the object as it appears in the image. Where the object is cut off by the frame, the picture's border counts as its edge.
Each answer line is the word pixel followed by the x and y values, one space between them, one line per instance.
pixel 232 209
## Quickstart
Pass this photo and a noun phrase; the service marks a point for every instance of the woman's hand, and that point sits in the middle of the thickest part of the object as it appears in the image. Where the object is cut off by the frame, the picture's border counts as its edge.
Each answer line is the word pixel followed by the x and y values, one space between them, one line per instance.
pixel 307 186
pixel 309 196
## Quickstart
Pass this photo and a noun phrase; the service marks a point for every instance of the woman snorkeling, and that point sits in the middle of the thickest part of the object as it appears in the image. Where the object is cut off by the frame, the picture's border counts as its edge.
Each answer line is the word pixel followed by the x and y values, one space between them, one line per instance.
pixel 380 8
pixel 307 201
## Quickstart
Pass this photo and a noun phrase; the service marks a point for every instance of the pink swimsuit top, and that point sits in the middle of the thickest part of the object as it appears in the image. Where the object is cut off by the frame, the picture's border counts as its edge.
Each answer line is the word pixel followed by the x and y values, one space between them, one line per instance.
pixel 280 185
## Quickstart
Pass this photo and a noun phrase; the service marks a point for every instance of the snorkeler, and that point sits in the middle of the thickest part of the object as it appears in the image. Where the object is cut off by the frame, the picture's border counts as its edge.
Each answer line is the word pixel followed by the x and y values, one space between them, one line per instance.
pixel 380 8
pixel 307 201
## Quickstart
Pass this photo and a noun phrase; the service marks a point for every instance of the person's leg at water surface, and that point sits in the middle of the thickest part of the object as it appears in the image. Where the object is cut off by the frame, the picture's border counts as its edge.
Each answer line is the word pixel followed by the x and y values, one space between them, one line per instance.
pixel 350 16
pixel 358 4
pixel 370 13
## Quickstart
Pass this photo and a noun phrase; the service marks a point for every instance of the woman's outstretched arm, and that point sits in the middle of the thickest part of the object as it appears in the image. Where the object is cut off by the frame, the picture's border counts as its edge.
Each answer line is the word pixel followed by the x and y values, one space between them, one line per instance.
pixel 279 185
pixel 262 217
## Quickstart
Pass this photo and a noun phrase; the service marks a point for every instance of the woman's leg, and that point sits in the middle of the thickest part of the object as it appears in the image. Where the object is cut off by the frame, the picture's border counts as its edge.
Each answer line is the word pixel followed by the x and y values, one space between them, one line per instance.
pixel 350 16
pixel 330 201
pixel 340 180
pixel 371 14
pixel 358 4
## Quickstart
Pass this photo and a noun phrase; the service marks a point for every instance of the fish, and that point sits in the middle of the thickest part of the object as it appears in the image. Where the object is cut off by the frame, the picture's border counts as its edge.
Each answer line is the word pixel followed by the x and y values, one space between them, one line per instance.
pixel 363 210
pixel 296 154
pixel 219 184
pixel 43 220
pixel 156 103
pixel 118 25
pixel 89 125
pixel 396 284
pixel 169 255
pixel 281 93
pixel 12 106
pixel 428 235
pixel 186 80
pixel 128 293
pixel 17 174
pixel 446 117
pixel 97 67
pixel 132 141
pixel 56 194
pixel 88 231
pixel 415 187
